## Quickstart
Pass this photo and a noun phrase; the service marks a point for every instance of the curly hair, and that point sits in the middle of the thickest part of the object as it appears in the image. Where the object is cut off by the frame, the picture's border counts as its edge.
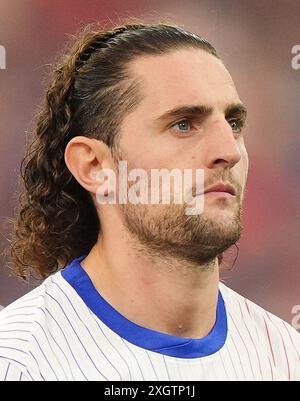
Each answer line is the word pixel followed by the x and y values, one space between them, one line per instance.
pixel 89 93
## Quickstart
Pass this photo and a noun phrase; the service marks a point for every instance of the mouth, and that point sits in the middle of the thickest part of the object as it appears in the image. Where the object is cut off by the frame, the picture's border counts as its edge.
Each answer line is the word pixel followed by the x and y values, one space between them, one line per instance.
pixel 221 189
pixel 219 194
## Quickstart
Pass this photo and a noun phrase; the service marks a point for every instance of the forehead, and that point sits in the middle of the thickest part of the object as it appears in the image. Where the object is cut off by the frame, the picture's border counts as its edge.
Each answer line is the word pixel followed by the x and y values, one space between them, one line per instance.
pixel 187 76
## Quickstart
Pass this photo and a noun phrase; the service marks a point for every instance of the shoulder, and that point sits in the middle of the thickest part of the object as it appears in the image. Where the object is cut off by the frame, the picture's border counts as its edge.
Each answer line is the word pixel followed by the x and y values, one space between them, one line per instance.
pixel 273 334
pixel 24 328
pixel 25 311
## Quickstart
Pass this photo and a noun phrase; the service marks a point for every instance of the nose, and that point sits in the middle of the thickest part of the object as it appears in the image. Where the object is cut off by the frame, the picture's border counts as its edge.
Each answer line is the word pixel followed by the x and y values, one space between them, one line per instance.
pixel 222 146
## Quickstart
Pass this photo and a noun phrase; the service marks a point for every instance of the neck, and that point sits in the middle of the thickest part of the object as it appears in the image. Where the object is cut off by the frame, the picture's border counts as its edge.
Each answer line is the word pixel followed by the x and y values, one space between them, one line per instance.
pixel 162 294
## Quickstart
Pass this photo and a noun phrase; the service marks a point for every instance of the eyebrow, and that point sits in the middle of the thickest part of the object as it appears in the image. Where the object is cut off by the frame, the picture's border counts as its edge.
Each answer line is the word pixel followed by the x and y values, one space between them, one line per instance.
pixel 198 111
pixel 236 109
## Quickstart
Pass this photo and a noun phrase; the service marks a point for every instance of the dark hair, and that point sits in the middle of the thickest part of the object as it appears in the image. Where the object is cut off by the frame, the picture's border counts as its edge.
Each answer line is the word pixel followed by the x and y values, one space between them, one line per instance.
pixel 90 92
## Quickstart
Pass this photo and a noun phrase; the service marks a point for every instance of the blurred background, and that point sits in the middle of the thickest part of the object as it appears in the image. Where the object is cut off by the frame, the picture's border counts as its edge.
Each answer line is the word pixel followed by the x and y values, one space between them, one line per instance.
pixel 255 39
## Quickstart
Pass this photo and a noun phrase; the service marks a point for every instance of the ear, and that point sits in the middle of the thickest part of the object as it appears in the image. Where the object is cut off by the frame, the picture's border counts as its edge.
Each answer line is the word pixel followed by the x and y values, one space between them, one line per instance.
pixel 85 158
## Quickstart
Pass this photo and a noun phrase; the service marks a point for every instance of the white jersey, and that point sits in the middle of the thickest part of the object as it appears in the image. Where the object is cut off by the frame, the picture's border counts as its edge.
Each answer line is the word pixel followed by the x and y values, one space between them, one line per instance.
pixel 65 330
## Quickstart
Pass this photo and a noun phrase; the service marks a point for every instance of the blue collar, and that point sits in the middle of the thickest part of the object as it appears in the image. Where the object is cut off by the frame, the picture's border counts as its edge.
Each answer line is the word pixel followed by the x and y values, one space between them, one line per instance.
pixel 152 340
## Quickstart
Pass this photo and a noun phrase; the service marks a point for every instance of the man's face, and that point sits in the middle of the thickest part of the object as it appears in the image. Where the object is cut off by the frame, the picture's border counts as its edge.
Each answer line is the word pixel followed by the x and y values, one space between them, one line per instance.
pixel 203 133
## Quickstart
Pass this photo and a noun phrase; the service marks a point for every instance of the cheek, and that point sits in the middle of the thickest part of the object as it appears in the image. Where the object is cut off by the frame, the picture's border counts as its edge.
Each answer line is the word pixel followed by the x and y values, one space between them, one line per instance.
pixel 240 170
pixel 245 160
pixel 149 155
pixel 243 166
pixel 140 152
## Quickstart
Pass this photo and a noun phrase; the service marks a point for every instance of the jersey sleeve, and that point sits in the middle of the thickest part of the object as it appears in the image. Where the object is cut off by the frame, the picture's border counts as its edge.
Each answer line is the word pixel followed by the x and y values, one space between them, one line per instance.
pixel 10 372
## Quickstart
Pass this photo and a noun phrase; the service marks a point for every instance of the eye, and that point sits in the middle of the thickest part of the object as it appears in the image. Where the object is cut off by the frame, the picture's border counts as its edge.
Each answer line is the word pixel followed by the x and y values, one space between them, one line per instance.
pixel 236 124
pixel 182 125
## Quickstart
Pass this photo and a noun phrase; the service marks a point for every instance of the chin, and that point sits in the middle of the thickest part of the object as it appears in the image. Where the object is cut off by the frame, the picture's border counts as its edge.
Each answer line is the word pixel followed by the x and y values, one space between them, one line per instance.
pixel 222 215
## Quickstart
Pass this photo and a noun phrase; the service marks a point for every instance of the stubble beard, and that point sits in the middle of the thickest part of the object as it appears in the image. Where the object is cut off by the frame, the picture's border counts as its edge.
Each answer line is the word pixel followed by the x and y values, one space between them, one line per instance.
pixel 165 231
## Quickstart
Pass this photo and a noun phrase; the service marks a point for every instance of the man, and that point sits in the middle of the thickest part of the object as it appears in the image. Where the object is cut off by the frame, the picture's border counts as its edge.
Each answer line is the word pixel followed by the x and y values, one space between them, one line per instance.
pixel 140 297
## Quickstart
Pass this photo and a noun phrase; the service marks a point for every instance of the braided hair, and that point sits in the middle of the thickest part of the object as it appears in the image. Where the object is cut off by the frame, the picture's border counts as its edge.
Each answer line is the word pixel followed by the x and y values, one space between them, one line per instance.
pixel 90 92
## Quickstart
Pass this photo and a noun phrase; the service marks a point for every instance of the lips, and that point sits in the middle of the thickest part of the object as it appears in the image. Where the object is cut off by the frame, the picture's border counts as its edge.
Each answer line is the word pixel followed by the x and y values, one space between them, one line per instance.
pixel 221 187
